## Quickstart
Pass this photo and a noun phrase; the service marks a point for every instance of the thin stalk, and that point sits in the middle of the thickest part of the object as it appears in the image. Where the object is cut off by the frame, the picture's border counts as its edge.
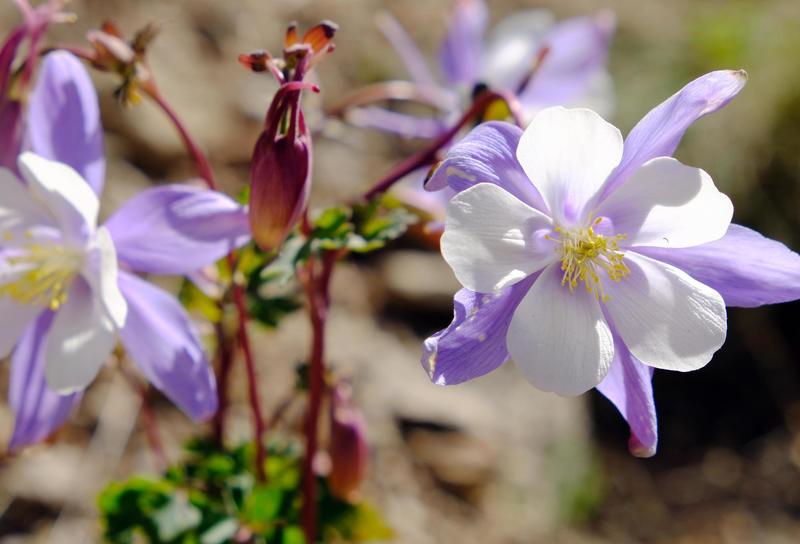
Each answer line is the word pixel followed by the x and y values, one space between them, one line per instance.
pixel 428 155
pixel 199 158
pixel 252 383
pixel 205 171
pixel 225 362
pixel 149 421
pixel 317 291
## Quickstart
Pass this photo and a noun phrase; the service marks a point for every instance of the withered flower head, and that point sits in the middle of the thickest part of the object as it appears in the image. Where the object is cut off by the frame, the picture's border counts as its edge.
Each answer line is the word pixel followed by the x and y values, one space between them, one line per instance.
pixel 112 53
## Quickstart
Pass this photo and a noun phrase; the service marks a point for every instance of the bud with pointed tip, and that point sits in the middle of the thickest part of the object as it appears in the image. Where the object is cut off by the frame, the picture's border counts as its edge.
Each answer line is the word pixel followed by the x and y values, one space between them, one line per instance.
pixel 348 448
pixel 280 181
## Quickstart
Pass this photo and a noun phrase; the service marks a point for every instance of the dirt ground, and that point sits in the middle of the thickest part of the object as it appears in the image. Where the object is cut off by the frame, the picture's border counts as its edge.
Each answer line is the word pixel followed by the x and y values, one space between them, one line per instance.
pixel 492 461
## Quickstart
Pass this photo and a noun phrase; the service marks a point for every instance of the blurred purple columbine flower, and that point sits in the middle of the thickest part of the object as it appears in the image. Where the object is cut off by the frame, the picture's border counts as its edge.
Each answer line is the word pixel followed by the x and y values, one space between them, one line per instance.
pixel 67 287
pixel 528 54
pixel 543 62
pixel 590 262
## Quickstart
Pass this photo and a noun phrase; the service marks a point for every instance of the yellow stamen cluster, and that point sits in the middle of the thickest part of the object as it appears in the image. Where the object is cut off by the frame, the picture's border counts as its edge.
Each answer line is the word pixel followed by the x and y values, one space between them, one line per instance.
pixel 585 254
pixel 45 273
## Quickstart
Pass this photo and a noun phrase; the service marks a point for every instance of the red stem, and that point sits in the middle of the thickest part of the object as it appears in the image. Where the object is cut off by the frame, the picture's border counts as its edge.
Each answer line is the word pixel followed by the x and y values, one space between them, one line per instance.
pixel 427 156
pixel 252 382
pixel 205 171
pixel 317 290
pixel 225 363
pixel 149 420
pixel 199 158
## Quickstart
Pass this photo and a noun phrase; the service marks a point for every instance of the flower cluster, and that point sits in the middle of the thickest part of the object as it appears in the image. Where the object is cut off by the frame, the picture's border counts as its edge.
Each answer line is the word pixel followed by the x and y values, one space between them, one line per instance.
pixel 587 258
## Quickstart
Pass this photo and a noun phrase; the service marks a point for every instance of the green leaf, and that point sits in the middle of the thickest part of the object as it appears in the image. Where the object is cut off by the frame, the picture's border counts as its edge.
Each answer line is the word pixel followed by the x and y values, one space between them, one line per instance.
pixel 221 532
pixel 293 534
pixel 176 517
pixel 270 311
pixel 263 505
pixel 331 221
pixel 282 268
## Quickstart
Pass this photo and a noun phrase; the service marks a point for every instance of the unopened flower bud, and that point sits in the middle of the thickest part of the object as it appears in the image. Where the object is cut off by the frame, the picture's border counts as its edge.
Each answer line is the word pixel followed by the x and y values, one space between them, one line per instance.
pixel 10 133
pixel 280 175
pixel 280 184
pixel 348 448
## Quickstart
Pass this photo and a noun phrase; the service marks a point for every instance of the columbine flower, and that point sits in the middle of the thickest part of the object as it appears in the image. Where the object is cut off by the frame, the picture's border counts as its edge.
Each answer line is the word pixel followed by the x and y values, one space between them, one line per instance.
pixel 590 262
pixel 544 63
pixel 67 290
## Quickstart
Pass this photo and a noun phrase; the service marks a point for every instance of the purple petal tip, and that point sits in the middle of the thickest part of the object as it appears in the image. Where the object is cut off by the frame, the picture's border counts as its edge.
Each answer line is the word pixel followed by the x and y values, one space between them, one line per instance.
pixel 638 449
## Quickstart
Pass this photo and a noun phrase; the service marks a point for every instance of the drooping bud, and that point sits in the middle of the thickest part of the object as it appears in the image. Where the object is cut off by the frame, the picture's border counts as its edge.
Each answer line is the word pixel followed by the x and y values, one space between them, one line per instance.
pixel 280 174
pixel 348 448
pixel 10 109
pixel 280 184
pixel 11 128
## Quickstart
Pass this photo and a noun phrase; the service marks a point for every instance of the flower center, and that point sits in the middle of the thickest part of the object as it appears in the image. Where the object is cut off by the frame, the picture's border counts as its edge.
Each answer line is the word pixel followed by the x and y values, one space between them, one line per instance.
pixel 585 255
pixel 43 274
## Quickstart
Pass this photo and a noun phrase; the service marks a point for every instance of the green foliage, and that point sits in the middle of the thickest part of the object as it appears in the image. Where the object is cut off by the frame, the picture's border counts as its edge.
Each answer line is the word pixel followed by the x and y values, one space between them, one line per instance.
pixel 362 228
pixel 272 293
pixel 271 281
pixel 213 498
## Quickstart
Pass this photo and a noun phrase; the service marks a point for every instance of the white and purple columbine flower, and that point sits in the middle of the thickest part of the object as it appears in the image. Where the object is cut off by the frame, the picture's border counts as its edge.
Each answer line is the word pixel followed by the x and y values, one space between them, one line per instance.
pixel 589 261
pixel 67 286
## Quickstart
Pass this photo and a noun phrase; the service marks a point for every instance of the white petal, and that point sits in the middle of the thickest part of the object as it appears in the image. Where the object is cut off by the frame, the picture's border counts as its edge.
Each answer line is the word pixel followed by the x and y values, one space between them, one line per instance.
pixel 668 204
pixel 17 206
pixel 568 154
pixel 64 193
pixel 667 319
pixel 489 238
pixel 101 272
pixel 14 317
pixel 79 342
pixel 559 338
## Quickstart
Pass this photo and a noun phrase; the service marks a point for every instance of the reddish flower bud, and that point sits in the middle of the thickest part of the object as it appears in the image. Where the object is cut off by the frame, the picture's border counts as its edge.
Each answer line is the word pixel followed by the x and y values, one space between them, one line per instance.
pixel 348 448
pixel 280 184
pixel 280 175
pixel 10 133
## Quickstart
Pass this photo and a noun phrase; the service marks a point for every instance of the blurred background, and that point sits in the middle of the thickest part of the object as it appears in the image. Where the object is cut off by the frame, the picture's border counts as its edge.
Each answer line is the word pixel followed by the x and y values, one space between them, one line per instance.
pixel 494 460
